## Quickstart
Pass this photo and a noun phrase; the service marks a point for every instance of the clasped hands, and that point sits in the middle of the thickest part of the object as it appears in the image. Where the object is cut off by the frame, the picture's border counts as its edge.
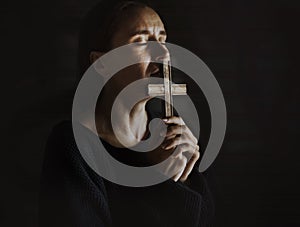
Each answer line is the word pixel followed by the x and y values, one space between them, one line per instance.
pixel 180 145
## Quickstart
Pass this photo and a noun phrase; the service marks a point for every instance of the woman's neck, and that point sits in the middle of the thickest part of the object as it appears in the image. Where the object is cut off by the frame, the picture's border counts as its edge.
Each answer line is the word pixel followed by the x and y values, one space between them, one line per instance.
pixel 129 126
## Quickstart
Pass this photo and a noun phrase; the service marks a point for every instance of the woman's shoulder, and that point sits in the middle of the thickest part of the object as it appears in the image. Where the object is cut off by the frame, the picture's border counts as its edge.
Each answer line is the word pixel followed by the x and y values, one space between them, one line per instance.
pixel 60 141
pixel 62 136
pixel 64 160
pixel 62 129
pixel 70 190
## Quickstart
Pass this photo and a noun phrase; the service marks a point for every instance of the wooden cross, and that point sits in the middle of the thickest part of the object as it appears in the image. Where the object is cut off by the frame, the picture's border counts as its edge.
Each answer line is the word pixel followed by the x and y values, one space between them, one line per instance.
pixel 167 89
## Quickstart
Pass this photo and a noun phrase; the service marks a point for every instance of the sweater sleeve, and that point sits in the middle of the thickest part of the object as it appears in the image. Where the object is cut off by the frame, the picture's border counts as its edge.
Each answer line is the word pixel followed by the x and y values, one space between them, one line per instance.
pixel 71 194
pixel 198 183
pixel 168 204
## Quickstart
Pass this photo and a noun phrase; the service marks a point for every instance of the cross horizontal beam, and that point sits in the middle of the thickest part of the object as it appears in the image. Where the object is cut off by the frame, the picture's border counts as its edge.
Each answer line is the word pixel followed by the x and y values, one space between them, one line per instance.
pixel 159 89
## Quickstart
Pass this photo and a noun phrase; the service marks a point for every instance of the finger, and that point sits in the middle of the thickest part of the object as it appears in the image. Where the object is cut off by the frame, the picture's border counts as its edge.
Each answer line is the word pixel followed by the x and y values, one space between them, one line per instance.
pixel 179 166
pixel 175 130
pixel 178 175
pixel 190 166
pixel 174 166
pixel 169 144
pixel 180 129
pixel 169 138
pixel 183 148
pixel 174 120
pixel 173 142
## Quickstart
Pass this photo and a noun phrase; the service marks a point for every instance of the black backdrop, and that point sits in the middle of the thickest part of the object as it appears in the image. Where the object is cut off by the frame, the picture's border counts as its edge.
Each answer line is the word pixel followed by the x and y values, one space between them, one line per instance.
pixel 251 46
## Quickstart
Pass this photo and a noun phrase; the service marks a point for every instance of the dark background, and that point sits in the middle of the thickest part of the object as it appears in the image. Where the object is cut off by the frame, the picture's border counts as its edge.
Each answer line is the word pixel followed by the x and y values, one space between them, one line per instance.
pixel 251 46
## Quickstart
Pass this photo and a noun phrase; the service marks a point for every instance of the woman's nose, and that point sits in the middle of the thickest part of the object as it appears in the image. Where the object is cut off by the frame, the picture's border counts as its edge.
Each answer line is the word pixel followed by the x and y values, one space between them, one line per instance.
pixel 159 52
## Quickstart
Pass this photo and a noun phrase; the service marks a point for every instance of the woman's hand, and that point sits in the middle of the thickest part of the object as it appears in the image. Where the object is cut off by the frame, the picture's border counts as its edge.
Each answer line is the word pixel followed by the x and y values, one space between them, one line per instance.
pixel 181 145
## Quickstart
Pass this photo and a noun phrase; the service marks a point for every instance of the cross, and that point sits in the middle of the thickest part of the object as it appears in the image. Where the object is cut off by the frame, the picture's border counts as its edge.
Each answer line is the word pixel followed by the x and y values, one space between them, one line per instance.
pixel 167 89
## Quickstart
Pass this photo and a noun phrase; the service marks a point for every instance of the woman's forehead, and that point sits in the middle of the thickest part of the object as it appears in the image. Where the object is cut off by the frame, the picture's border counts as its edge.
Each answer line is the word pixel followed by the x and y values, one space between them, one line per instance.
pixel 143 21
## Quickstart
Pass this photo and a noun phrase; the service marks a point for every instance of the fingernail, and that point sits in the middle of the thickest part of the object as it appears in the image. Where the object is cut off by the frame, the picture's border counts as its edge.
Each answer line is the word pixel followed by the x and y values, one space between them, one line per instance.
pixel 164 146
pixel 165 120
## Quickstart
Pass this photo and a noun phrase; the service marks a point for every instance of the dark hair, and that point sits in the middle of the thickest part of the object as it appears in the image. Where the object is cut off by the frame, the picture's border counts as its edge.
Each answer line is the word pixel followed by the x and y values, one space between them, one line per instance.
pixel 98 27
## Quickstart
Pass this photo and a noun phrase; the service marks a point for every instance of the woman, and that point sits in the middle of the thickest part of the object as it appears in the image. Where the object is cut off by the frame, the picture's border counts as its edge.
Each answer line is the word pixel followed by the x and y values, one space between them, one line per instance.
pixel 72 194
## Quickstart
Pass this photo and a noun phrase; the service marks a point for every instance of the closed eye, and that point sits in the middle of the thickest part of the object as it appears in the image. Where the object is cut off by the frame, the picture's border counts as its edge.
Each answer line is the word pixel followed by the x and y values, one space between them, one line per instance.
pixel 141 43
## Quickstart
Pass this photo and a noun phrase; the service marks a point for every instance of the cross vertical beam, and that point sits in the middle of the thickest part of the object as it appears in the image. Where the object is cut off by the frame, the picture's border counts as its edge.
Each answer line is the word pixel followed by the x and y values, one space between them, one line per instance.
pixel 168 89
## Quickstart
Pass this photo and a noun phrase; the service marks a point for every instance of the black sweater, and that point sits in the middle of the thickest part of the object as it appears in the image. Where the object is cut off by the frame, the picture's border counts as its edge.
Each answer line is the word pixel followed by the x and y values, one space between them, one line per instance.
pixel 72 194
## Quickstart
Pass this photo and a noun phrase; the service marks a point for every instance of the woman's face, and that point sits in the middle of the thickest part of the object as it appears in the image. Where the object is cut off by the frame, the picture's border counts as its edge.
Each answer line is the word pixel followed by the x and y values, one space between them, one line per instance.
pixel 143 26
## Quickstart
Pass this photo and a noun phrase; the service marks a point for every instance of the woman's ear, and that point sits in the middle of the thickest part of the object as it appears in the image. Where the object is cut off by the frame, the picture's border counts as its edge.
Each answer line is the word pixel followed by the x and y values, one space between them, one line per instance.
pixel 94 55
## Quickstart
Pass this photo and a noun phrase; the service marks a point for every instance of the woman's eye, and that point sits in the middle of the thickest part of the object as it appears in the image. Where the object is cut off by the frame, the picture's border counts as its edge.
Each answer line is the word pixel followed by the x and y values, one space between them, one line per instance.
pixel 145 43
pixel 141 43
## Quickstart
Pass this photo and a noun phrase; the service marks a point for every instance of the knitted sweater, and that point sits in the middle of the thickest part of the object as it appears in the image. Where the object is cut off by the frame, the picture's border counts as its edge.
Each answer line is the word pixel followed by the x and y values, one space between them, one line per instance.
pixel 72 194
